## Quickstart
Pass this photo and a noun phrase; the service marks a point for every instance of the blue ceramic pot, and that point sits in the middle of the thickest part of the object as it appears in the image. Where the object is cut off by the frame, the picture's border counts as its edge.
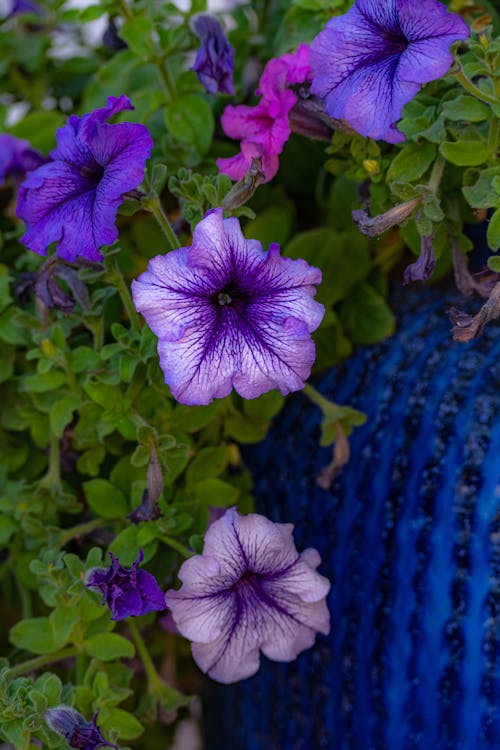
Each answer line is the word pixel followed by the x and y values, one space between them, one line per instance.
pixel 409 535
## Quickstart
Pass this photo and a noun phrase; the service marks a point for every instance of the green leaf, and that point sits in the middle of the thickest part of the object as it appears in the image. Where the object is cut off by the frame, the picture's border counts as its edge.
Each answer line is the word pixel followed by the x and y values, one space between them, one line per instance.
pixel 494 263
pixel 483 194
pixel 493 232
pixel 125 724
pixel 61 413
pixel 42 635
pixel 265 407
pixel 465 153
pixel 109 646
pixel 47 381
pixel 105 499
pixel 273 224
pixel 366 316
pixel 190 120
pixel 126 545
pixel 90 460
pixel 466 108
pixel 137 33
pixel 39 128
pixel 209 462
pixel 216 492
pixel 411 162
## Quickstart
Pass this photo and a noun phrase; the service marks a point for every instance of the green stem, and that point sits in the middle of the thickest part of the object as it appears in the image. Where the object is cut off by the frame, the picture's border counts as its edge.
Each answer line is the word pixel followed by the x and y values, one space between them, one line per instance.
pixel 124 293
pixel 436 174
pixel 176 545
pixel 81 530
pixel 154 678
pixel 316 397
pixel 473 89
pixel 53 476
pixel 494 135
pixel 166 78
pixel 126 12
pixel 155 207
pixel 40 661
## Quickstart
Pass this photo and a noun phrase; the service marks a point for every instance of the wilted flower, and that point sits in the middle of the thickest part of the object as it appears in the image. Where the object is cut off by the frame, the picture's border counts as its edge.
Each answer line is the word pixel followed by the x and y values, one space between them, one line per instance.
pixel 128 592
pixel 467 327
pixel 249 591
pixel 229 315
pixel 264 129
pixel 373 226
pixel 73 200
pixel 17 157
pixel 368 63
pixel 77 732
pixel 423 268
pixel 215 59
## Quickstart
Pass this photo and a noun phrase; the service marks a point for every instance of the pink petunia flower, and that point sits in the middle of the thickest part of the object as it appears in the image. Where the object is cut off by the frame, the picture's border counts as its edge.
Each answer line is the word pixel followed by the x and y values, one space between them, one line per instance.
pixel 264 129
pixel 250 591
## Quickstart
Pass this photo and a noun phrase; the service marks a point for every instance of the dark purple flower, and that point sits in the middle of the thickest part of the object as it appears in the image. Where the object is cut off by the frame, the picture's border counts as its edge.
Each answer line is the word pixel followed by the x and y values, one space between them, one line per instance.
pixel 73 200
pixel 77 732
pixel 229 315
pixel 249 591
pixel 17 157
pixel 370 62
pixel 25 6
pixel 128 592
pixel 423 268
pixel 215 59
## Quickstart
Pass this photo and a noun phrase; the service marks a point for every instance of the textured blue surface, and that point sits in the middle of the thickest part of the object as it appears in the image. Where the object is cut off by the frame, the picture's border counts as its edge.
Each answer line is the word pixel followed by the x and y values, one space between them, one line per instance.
pixel 407 535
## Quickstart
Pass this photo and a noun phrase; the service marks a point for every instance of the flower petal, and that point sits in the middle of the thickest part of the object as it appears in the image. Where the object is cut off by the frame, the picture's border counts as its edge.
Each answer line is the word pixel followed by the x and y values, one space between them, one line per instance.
pixel 251 542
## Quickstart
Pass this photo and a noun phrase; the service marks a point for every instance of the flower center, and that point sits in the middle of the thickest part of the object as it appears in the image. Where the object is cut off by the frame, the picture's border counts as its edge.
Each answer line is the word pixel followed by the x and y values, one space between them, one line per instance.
pixel 249 578
pixel 230 296
pixel 92 172
pixel 396 42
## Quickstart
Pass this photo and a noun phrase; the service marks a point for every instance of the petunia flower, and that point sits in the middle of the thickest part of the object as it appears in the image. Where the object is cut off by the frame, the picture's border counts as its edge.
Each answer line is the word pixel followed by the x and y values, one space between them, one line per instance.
pixel 73 200
pixel 128 592
pixel 368 63
pixel 249 591
pixel 229 315
pixel 17 157
pixel 77 732
pixel 264 129
pixel 214 61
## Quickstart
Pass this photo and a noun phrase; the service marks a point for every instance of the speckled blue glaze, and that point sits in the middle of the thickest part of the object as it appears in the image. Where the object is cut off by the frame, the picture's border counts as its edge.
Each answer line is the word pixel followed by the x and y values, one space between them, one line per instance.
pixel 407 535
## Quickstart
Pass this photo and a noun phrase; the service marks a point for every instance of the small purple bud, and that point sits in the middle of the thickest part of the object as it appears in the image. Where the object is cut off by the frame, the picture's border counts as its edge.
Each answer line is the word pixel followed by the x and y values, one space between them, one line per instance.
pixel 128 592
pixel 146 511
pixel 423 268
pixel 215 59
pixel 77 732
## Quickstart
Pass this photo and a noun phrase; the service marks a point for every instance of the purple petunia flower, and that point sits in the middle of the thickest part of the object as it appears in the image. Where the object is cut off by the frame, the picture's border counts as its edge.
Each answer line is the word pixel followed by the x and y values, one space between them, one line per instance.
pixel 128 592
pixel 229 315
pixel 17 157
pixel 249 591
pixel 368 63
pixel 214 62
pixel 77 732
pixel 73 200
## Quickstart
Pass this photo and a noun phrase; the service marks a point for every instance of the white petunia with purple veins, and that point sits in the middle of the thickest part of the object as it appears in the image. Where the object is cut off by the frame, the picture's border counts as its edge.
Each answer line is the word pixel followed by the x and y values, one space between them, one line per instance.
pixel 229 315
pixel 249 592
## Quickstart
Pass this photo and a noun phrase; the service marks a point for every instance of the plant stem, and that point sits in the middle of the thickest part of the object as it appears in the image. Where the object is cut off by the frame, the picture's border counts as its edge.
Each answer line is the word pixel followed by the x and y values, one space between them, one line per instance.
pixel 166 78
pixel 316 397
pixel 436 174
pixel 184 551
pixel 40 661
pixel 154 678
pixel 127 14
pixel 81 529
pixel 473 89
pixel 53 476
pixel 155 207
pixel 124 293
